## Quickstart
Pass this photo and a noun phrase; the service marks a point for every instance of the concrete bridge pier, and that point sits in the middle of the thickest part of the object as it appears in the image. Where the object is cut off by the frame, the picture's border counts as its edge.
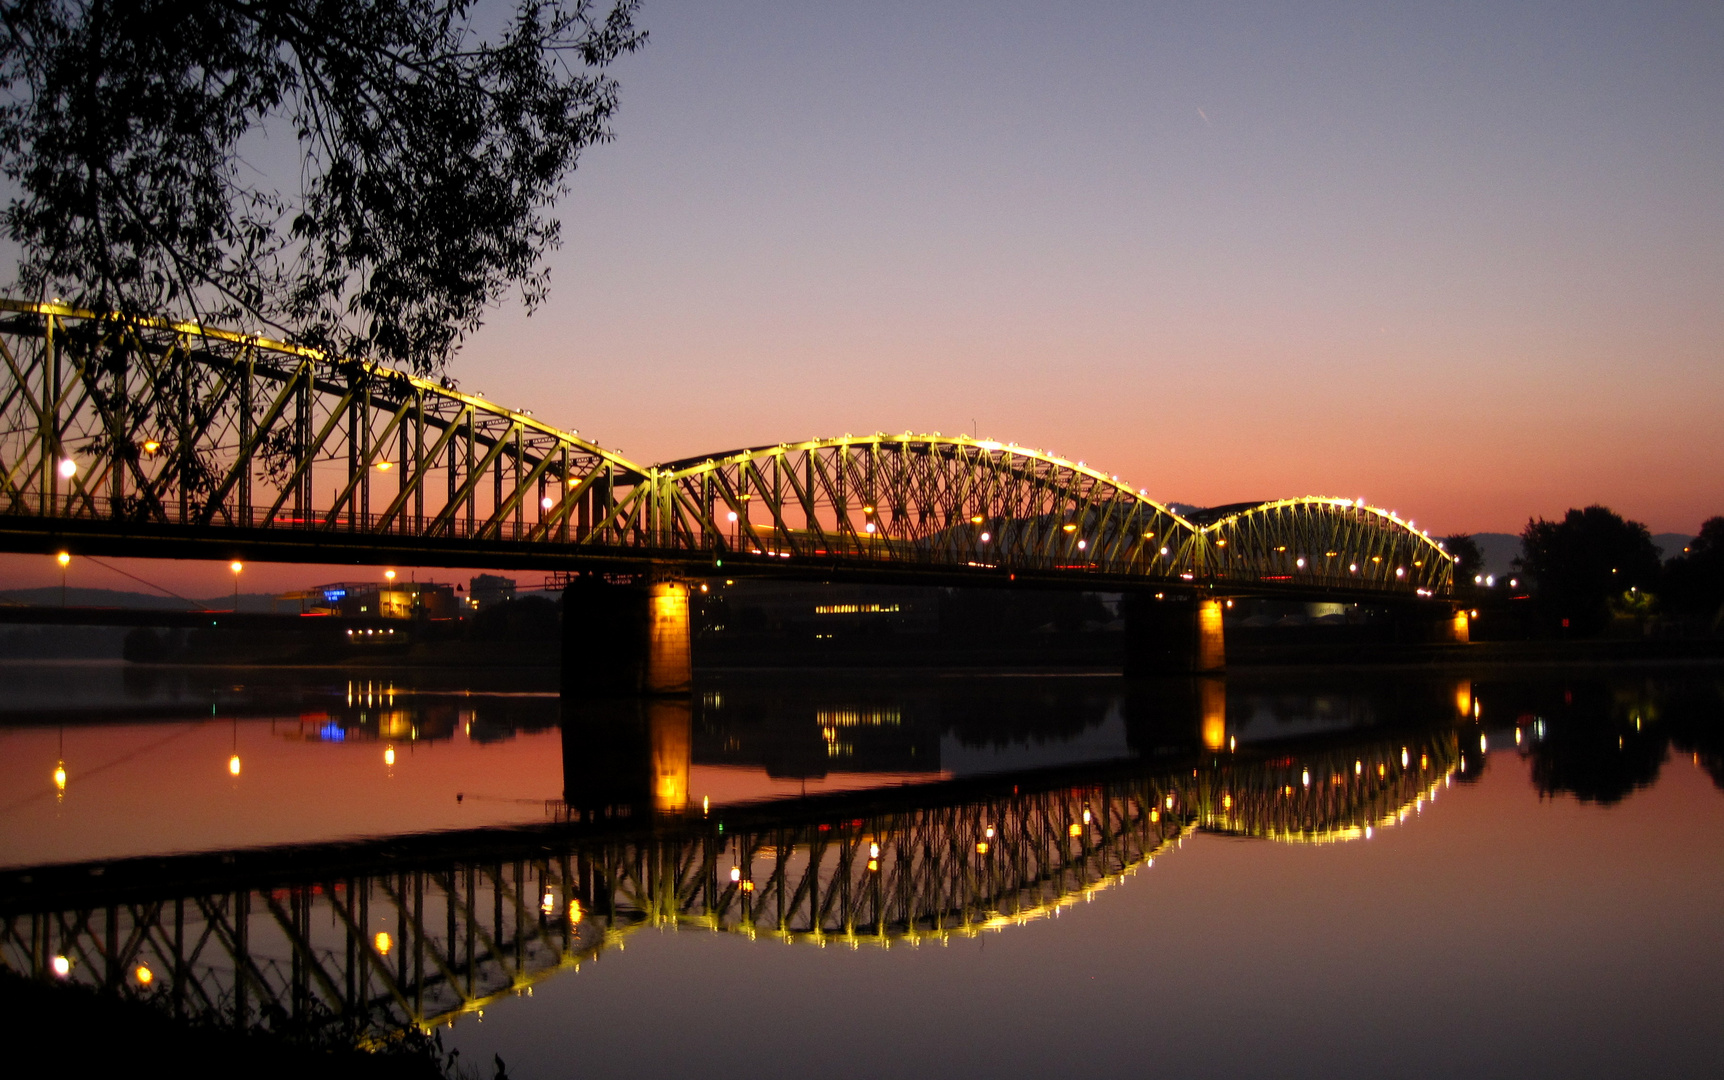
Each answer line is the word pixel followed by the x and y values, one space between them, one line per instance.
pixel 623 638
pixel 1427 623
pixel 1173 637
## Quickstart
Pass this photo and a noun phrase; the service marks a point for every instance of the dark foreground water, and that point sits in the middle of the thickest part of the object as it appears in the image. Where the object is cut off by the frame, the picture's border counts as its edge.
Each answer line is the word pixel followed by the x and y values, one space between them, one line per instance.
pixel 866 875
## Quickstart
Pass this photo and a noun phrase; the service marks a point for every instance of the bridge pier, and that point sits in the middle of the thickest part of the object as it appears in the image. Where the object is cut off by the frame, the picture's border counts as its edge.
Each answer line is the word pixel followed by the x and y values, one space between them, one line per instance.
pixel 625 638
pixel 1173 637
pixel 1430 624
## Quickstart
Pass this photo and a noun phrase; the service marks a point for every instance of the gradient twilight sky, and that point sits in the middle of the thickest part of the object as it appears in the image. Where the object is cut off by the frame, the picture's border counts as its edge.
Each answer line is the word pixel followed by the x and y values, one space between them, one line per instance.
pixel 1465 260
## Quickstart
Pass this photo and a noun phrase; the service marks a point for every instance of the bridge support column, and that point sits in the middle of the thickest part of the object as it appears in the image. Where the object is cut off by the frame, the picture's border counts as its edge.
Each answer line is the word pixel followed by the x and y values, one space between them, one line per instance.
pixel 626 638
pixel 1173 637
pixel 1425 624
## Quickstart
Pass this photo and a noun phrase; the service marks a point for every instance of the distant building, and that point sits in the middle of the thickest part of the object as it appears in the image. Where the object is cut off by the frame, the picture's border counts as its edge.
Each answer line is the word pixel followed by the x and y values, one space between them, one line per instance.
pixel 375 599
pixel 487 590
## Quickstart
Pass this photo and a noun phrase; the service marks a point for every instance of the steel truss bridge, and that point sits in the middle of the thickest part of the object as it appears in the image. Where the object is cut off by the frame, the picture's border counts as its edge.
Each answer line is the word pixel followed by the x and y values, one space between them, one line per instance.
pixel 379 937
pixel 169 439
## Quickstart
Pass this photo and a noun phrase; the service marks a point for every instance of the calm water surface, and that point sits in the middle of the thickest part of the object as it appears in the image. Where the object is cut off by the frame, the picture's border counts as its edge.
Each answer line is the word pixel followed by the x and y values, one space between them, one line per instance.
pixel 892 875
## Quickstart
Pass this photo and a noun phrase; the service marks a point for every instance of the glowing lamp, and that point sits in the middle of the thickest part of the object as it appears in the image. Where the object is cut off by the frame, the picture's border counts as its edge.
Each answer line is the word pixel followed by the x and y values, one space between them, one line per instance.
pixel 68 468
pixel 233 765
pixel 144 975
pixel 62 966
pixel 60 777
pixel 64 559
pixel 384 942
pixel 389 755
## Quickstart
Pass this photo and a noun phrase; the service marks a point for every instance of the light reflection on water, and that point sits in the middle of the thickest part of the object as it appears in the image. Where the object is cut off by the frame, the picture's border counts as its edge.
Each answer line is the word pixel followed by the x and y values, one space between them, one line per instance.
pixel 884 811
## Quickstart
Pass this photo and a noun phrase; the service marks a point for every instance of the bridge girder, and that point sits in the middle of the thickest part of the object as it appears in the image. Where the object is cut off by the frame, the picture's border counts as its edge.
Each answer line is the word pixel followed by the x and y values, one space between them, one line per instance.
pixel 158 438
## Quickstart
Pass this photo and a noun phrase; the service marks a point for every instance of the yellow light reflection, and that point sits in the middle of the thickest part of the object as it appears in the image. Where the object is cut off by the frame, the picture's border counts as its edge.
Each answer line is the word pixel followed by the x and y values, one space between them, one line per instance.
pixel 574 911
pixel 389 755
pixel 60 776
pixel 233 765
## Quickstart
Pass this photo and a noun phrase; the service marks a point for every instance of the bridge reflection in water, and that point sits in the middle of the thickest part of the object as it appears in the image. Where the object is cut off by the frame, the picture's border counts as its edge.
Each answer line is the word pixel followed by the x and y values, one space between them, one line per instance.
pixel 375 937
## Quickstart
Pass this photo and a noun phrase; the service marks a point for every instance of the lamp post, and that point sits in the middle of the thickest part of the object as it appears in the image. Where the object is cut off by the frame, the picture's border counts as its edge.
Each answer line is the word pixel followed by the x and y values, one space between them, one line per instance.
pixel 236 566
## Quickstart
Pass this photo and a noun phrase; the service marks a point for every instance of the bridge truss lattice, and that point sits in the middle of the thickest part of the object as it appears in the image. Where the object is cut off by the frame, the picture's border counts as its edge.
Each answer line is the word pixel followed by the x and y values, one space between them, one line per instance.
pixel 157 438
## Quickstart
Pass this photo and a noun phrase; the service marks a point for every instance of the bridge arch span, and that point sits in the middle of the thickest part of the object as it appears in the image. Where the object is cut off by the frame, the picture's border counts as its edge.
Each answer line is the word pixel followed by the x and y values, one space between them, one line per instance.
pixel 149 422
pixel 1323 542
pixel 918 498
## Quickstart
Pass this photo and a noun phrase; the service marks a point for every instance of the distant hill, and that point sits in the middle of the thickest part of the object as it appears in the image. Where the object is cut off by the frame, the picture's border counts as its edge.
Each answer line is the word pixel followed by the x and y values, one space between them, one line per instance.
pixel 1501 549
pixel 1670 545
pixel 115 598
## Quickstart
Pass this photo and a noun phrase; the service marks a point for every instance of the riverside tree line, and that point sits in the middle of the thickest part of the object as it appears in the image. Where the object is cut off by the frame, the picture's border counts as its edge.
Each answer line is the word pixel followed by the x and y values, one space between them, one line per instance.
pixel 1594 567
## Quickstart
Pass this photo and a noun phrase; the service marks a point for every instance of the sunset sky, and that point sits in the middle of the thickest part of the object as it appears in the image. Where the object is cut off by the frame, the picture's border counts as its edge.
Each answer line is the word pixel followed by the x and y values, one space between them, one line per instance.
pixel 1465 260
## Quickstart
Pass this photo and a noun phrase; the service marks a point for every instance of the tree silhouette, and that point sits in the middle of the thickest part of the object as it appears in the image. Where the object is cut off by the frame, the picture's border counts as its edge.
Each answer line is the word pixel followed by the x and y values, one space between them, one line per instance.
pixel 1579 563
pixel 1469 560
pixel 139 136
pixel 1694 581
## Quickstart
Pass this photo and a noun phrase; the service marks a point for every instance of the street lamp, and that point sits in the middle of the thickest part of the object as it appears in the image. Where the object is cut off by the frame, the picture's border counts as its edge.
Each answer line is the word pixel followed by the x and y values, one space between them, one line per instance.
pixel 236 566
pixel 65 560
